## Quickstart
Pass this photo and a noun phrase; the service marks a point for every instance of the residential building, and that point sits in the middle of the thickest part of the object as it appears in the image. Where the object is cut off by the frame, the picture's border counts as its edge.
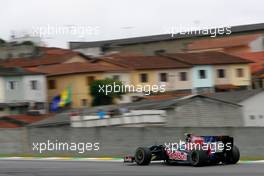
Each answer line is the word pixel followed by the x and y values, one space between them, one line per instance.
pixel 251 102
pixel 257 68
pixel 79 77
pixel 215 70
pixel 188 72
pixel 171 43
pixel 22 38
pixel 153 70
pixel 10 50
pixel 22 91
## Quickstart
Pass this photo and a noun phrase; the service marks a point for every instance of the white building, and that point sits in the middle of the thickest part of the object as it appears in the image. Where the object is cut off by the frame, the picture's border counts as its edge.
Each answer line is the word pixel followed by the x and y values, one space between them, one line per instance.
pixel 22 91
pixel 252 102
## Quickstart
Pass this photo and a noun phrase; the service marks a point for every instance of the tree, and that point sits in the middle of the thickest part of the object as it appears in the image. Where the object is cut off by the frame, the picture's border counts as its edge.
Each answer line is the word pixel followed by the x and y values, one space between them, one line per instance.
pixel 30 43
pixel 104 91
pixel 2 41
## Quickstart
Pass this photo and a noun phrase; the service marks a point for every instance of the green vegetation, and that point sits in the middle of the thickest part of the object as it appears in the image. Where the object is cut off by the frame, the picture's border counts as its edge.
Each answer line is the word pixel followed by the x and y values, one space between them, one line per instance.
pixel 100 94
pixel 2 41
pixel 27 43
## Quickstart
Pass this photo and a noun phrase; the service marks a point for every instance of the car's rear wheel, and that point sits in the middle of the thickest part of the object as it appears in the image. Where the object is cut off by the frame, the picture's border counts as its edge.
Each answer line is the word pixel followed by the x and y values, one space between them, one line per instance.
pixel 198 158
pixel 143 156
pixel 233 156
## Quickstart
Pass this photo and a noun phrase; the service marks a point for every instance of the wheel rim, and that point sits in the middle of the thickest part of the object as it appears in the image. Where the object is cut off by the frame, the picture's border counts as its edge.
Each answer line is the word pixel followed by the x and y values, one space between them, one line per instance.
pixel 140 155
pixel 194 158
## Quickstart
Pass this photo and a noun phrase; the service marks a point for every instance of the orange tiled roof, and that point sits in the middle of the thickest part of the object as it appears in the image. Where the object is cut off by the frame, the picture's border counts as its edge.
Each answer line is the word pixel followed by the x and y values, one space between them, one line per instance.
pixel 139 62
pixel 257 58
pixel 208 58
pixel 76 67
pixel 13 121
pixel 27 118
pixel 222 42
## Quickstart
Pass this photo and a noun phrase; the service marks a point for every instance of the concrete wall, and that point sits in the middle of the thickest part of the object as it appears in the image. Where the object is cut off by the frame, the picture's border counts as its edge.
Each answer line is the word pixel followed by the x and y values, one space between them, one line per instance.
pixel 205 113
pixel 116 141
pixel 170 46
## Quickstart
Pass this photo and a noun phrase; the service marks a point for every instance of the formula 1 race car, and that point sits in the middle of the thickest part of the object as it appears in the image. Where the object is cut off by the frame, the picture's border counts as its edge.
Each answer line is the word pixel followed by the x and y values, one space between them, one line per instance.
pixel 195 151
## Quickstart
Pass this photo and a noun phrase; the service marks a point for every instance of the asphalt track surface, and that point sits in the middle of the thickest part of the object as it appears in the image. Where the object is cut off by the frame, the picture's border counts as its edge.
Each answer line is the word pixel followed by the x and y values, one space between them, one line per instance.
pixel 102 168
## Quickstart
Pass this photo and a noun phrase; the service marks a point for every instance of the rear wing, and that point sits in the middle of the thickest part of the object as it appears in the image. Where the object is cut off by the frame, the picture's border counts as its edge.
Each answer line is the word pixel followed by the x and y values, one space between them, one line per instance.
pixel 226 140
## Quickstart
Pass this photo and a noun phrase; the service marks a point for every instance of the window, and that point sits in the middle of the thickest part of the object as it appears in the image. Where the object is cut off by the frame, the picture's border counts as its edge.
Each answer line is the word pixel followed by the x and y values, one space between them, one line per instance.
pixel 12 85
pixel 39 105
pixel 202 74
pixel 116 77
pixel 34 84
pixel 252 117
pixel 84 102
pixel 183 76
pixel 52 84
pixel 89 80
pixel 163 77
pixel 221 73
pixel 240 72
pixel 143 77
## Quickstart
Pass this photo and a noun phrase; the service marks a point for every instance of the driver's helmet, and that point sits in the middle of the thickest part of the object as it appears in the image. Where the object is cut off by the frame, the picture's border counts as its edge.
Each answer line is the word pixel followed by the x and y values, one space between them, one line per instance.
pixel 188 137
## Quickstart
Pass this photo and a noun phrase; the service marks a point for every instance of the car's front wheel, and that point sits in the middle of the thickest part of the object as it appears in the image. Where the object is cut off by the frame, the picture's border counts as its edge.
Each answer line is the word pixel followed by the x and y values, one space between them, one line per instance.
pixel 143 156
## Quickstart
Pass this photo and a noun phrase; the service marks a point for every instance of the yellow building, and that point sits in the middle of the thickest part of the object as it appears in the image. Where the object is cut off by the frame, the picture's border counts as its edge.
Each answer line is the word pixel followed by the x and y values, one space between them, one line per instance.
pixel 79 76
pixel 234 74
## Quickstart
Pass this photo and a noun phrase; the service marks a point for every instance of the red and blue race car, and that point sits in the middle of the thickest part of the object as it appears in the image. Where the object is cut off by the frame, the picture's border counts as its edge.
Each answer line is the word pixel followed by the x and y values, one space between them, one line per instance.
pixel 194 150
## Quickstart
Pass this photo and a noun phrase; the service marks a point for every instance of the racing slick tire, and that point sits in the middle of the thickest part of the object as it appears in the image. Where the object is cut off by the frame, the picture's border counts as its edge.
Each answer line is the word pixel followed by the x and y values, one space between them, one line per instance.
pixel 198 158
pixel 143 156
pixel 233 156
